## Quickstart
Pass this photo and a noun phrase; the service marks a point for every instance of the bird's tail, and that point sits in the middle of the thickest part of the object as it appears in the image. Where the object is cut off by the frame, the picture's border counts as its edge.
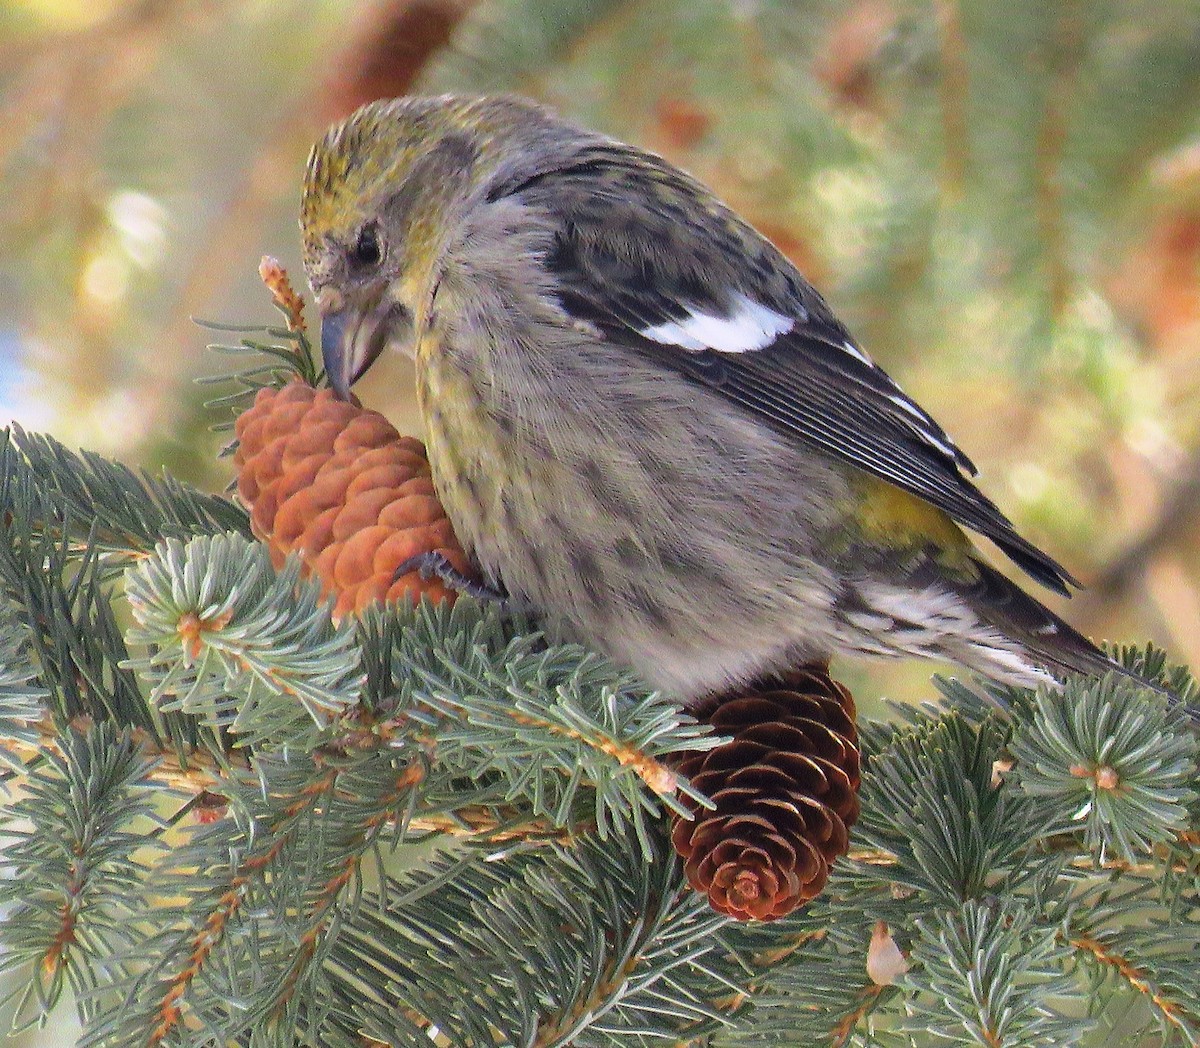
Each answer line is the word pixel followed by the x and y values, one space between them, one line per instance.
pixel 1048 643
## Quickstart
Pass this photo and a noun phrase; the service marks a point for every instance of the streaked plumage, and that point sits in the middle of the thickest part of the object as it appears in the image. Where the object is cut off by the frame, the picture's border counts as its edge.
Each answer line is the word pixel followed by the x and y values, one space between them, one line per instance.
pixel 642 419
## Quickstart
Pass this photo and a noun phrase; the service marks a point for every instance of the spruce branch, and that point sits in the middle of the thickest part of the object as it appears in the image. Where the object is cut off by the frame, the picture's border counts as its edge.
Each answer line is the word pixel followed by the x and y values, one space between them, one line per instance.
pixel 74 859
pixel 553 914
pixel 586 722
pixel 197 772
pixel 1126 935
pixel 22 697
pixel 289 355
pixel 973 968
pixel 651 954
pixel 60 586
pixel 123 511
pixel 316 933
pixel 1171 1014
pixel 1110 757
pixel 930 799
pixel 188 771
pixel 257 899
pixel 244 648
pixel 1151 663
pixel 812 990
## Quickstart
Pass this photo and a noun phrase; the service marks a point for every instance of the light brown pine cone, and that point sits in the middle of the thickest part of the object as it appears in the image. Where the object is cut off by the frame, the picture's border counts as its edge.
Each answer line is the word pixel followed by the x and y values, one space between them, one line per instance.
pixel 338 486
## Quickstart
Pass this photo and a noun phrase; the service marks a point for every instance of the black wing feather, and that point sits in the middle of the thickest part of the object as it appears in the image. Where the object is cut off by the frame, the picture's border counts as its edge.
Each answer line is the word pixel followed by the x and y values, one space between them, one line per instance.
pixel 806 383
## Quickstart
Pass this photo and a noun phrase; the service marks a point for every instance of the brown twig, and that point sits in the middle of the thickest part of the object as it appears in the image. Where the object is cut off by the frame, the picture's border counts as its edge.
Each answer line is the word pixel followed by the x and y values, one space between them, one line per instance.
pixel 844 1029
pixel 199 772
pixel 788 946
pixel 1171 1011
pixel 872 856
pixel 660 778
pixel 321 913
pixel 1179 512
pixel 1065 50
pixel 954 89
pixel 170 1008
pixel 190 775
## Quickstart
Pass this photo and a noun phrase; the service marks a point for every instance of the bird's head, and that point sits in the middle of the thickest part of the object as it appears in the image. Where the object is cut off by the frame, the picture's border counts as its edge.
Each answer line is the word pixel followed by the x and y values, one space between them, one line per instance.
pixel 386 192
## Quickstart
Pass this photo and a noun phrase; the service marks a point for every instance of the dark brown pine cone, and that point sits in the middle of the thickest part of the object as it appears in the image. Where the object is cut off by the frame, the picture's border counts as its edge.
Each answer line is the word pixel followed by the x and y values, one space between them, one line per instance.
pixel 786 793
pixel 338 486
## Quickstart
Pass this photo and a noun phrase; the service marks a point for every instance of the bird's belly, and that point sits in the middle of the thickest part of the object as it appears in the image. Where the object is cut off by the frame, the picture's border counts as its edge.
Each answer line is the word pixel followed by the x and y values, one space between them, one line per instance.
pixel 662 560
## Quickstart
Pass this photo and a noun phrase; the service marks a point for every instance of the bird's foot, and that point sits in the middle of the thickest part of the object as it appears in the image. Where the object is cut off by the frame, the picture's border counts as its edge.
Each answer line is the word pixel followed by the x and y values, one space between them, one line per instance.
pixel 434 564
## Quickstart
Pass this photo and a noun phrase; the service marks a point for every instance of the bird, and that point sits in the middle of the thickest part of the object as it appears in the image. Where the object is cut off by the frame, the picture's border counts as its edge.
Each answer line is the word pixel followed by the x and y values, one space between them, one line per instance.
pixel 643 422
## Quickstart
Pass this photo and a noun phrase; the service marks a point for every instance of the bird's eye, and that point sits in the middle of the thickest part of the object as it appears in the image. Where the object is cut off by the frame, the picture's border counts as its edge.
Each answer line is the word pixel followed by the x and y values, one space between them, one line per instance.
pixel 367 250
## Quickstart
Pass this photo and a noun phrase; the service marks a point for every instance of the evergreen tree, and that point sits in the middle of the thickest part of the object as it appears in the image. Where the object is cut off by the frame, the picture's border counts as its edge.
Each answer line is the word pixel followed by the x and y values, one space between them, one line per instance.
pixel 237 821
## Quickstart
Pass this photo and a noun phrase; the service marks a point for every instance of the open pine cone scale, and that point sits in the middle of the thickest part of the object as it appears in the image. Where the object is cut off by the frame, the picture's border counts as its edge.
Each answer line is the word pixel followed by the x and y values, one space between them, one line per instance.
pixel 785 788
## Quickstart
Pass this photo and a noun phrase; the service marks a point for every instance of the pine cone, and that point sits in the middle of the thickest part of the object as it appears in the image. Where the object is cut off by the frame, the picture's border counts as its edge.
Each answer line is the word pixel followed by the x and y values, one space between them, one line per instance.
pixel 786 792
pixel 336 484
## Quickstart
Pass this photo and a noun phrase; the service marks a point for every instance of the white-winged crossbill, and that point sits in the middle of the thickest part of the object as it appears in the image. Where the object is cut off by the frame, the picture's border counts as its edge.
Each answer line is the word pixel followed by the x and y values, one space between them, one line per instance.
pixel 642 420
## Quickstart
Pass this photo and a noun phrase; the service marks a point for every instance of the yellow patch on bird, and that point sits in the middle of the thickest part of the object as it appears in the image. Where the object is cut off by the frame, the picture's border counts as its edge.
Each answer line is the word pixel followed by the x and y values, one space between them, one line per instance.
pixel 377 149
pixel 455 426
pixel 427 348
pixel 422 248
pixel 890 515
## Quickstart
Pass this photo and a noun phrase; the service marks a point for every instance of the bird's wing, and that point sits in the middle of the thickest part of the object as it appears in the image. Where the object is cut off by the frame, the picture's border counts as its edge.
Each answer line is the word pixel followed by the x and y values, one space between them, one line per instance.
pixel 749 328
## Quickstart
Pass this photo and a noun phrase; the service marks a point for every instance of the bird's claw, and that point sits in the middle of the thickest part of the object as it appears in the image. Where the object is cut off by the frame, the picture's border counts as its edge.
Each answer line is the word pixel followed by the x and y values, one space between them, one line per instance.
pixel 437 565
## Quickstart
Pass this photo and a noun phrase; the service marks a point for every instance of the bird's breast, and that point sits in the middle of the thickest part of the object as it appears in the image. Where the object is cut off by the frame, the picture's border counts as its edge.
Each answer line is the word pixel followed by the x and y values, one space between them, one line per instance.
pixel 490 483
pixel 628 516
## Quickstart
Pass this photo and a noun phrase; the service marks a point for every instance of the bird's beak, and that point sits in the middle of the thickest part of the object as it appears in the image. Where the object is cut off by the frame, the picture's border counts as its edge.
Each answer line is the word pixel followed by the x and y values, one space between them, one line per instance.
pixel 350 343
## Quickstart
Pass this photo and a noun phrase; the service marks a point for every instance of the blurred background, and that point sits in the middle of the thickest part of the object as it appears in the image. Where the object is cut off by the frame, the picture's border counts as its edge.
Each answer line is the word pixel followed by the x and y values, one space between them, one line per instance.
pixel 1002 200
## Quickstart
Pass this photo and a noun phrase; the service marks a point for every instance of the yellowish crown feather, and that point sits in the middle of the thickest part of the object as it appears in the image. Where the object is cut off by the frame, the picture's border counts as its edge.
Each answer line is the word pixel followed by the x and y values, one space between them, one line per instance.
pixel 379 143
